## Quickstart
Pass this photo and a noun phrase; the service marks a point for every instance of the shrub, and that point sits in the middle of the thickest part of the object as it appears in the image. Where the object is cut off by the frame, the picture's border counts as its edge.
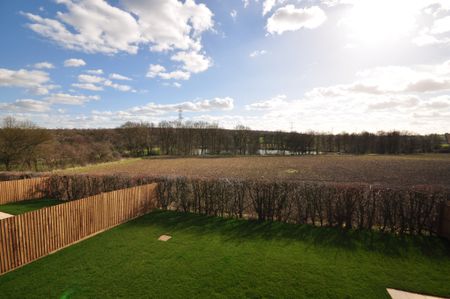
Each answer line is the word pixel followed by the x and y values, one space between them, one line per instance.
pixel 414 210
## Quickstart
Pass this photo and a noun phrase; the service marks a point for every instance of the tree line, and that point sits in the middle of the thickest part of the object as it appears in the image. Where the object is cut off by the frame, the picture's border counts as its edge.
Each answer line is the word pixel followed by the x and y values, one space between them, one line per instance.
pixel 23 145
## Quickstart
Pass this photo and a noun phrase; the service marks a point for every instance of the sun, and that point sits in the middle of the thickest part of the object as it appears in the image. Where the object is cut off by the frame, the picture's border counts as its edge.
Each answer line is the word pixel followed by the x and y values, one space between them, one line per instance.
pixel 375 21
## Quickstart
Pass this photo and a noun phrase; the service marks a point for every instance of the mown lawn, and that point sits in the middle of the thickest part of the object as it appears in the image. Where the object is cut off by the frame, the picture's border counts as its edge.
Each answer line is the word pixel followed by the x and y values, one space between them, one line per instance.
pixel 20 207
pixel 217 258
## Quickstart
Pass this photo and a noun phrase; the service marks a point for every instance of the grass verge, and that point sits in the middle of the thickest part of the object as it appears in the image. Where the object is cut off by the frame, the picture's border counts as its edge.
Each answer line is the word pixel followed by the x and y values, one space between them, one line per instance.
pixel 211 257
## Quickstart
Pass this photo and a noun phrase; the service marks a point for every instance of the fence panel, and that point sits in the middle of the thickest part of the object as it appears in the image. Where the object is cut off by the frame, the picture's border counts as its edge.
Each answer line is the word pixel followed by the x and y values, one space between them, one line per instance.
pixel 18 190
pixel 27 237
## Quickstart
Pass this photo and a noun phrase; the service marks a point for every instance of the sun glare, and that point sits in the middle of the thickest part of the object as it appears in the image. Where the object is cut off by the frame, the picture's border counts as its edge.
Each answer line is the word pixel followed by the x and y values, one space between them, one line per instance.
pixel 382 20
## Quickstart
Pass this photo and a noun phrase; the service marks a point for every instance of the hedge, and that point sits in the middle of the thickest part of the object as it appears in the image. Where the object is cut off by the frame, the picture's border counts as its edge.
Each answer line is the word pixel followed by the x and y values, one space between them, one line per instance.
pixel 414 210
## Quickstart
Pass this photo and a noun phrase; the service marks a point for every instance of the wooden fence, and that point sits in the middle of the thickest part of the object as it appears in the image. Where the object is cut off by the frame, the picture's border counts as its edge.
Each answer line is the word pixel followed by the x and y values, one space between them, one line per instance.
pixel 30 236
pixel 12 191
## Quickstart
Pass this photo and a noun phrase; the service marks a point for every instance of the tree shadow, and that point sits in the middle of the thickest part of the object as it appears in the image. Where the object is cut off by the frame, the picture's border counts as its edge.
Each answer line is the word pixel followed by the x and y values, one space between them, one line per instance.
pixel 239 230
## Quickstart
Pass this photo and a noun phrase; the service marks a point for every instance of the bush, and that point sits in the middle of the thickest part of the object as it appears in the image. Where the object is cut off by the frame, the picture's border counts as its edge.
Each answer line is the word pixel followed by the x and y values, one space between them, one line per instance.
pixel 352 205
pixel 415 210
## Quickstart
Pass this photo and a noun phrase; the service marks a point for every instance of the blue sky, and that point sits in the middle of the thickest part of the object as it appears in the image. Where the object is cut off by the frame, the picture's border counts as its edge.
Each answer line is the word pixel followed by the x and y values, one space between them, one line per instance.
pixel 324 65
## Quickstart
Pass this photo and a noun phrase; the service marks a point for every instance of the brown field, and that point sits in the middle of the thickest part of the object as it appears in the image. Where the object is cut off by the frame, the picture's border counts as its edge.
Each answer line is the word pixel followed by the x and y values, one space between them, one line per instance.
pixel 433 169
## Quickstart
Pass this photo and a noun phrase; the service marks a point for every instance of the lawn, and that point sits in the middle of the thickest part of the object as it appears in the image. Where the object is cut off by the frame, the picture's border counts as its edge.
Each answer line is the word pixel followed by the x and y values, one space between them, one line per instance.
pixel 404 170
pixel 20 207
pixel 216 258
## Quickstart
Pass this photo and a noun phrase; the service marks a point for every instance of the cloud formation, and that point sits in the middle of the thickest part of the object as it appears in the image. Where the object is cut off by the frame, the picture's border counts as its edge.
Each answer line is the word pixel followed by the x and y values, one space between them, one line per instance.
pixel 95 26
pixel 68 99
pixel 290 18
pixel 34 81
pixel 96 83
pixel 99 27
pixel 115 76
pixel 43 65
pixel 410 98
pixel 157 70
pixel 25 105
pixel 74 62
pixel 257 53
pixel 226 103
pixel 193 62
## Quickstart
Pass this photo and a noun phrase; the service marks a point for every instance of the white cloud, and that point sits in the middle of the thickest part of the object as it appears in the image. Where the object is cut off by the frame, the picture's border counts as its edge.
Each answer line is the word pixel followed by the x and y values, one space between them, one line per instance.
pixel 273 103
pixel 43 65
pixel 90 78
pixel 157 112
pixel 115 76
pixel 88 86
pixel 95 26
pixel 33 81
pixel 441 25
pixel 426 39
pixel 74 62
pixel 95 72
pixel 393 80
pixel 226 103
pixel 289 18
pixel 174 84
pixel 193 62
pixel 92 82
pixel 175 75
pixel 119 87
pixel 438 32
pixel 171 24
pixel 429 85
pixel 394 102
pixel 413 98
pixel 257 53
pixel 268 5
pixel 351 113
pixel 156 70
pixel 439 103
pixel 233 14
pixel 68 99
pixel 25 105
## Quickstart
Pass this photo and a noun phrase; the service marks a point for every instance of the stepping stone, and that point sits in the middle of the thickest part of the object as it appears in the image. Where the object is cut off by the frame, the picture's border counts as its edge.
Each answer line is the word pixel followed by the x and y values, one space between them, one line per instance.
pixel 396 294
pixel 4 215
pixel 164 238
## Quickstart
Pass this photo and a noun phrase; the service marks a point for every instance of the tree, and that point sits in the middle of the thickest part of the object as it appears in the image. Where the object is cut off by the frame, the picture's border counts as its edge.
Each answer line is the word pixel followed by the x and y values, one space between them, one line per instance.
pixel 20 142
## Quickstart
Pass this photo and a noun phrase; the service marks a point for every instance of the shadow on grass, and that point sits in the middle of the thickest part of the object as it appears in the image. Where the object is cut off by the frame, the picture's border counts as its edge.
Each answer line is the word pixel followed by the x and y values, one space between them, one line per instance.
pixel 20 207
pixel 242 230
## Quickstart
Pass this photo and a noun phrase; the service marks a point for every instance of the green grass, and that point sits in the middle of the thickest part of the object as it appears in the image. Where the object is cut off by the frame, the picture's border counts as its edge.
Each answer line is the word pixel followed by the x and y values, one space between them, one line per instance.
pixel 218 258
pixel 20 207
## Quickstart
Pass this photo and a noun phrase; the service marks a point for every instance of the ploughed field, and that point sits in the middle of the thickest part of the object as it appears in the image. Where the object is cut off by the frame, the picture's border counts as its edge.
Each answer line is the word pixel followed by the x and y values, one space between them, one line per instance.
pixel 430 169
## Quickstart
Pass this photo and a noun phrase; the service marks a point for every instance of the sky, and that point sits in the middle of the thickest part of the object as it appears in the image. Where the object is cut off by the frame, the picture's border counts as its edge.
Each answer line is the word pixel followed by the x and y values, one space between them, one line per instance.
pixel 300 65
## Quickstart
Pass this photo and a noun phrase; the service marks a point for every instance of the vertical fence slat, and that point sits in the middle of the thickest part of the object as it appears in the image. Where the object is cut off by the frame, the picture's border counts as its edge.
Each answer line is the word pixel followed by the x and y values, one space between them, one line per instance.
pixel 18 190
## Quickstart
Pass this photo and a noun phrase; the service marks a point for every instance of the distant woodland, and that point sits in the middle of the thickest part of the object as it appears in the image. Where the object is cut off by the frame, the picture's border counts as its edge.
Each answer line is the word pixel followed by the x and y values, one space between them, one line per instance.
pixel 25 146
